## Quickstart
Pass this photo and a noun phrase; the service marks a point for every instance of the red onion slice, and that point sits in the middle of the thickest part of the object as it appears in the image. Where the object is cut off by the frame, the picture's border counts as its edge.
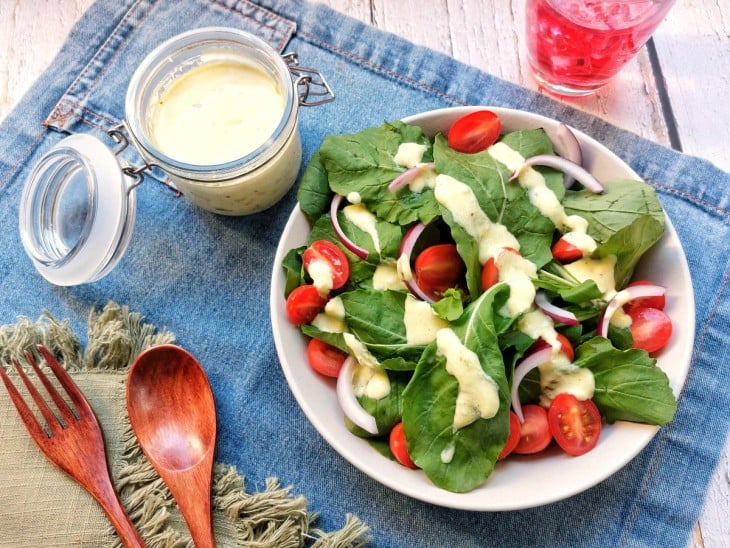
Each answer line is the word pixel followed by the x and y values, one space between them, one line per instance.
pixel 623 297
pixel 348 401
pixel 566 166
pixel 406 248
pixel 554 312
pixel 409 175
pixel 347 242
pixel 523 368
pixel 566 144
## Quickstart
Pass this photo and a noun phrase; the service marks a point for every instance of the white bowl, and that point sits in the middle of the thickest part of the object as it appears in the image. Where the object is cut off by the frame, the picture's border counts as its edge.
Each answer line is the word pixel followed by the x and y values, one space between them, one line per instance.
pixel 519 481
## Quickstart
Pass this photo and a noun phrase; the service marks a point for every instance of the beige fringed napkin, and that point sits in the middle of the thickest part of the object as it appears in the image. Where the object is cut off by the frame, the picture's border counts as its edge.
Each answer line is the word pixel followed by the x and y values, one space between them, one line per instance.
pixel 41 506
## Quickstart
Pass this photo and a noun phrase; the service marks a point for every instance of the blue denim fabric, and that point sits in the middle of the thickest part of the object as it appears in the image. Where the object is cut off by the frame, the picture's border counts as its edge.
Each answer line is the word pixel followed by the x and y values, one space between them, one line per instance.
pixel 207 277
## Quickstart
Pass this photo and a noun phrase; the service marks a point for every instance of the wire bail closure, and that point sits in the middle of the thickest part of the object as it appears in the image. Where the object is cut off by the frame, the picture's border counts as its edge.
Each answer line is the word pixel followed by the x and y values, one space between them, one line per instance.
pixel 309 83
pixel 119 135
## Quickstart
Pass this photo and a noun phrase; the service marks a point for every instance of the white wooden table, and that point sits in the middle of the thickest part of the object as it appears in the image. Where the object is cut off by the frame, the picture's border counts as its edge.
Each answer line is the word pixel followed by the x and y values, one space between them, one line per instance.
pixel 675 92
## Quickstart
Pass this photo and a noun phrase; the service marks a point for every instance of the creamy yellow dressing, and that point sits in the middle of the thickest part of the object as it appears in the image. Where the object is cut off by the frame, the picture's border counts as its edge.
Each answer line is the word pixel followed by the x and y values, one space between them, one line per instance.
pixel 386 277
pixel 217 113
pixel 560 376
pixel 409 154
pixel 542 197
pixel 447 454
pixel 461 202
pixel 426 178
pixel 363 219
pixel 332 318
pixel 369 378
pixel 518 273
pixel 536 325
pixel 322 276
pixel 621 318
pixel 599 270
pixel 421 322
pixel 478 395
pixel 370 382
pixel 354 197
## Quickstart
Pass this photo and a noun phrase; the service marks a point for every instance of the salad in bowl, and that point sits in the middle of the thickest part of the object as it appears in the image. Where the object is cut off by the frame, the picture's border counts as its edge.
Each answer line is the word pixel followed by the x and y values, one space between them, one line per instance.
pixel 474 304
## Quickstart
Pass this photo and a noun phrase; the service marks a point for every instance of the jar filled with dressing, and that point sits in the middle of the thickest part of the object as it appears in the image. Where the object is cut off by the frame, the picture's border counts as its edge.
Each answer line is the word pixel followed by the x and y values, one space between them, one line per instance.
pixel 216 109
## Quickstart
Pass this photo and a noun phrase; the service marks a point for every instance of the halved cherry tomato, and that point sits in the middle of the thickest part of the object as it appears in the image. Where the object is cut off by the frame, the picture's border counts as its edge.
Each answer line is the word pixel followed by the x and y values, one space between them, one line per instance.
pixel 490 272
pixel 658 302
pixel 397 441
pixel 565 347
pixel 514 436
pixel 438 268
pixel 475 132
pixel 575 424
pixel 534 431
pixel 325 358
pixel 650 328
pixel 565 252
pixel 323 250
pixel 303 304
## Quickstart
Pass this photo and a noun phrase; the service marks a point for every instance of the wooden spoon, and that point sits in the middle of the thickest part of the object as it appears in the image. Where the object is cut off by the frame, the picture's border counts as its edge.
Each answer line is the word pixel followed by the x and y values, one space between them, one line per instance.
pixel 171 409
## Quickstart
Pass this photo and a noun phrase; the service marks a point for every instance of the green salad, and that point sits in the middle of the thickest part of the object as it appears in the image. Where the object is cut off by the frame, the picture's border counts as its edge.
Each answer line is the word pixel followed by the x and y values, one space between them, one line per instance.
pixel 472 292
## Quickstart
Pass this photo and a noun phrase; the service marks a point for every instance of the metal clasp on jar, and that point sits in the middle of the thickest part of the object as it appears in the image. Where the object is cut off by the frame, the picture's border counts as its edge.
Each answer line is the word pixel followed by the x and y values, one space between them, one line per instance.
pixel 312 88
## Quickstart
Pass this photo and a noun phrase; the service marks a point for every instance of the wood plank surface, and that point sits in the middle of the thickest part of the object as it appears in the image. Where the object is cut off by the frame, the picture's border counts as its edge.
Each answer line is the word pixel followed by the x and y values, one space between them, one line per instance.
pixel 685 103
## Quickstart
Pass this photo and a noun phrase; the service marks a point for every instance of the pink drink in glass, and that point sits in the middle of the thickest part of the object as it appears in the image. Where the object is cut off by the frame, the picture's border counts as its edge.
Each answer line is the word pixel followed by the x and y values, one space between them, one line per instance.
pixel 576 46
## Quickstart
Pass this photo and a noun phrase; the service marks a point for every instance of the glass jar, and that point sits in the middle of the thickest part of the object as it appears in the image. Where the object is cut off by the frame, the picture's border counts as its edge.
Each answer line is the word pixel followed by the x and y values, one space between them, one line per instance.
pixel 75 230
pixel 240 185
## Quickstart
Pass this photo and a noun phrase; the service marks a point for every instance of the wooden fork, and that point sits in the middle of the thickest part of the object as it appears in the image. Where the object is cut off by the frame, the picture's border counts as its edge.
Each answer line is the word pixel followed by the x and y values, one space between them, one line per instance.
pixel 73 442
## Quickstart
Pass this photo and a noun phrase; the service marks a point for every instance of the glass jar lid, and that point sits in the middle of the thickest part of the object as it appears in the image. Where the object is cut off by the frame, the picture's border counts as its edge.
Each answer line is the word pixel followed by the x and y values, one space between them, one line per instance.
pixel 77 212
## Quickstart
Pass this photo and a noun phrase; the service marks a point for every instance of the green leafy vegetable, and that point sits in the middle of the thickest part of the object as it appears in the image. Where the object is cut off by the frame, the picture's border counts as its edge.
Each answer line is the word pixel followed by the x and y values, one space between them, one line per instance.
pixel 629 385
pixel 457 460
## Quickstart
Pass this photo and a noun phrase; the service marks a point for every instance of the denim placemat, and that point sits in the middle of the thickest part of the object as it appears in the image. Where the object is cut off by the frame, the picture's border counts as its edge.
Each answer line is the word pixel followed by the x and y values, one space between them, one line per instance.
pixel 207 277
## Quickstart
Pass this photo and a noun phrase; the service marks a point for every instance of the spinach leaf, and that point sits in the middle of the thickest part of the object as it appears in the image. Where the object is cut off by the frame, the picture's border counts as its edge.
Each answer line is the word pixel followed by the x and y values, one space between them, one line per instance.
pixel 626 220
pixel 314 194
pixel 503 201
pixel 293 269
pixel 389 237
pixel 429 404
pixel 376 318
pixel 364 163
pixel 387 411
pixel 629 244
pixel 629 385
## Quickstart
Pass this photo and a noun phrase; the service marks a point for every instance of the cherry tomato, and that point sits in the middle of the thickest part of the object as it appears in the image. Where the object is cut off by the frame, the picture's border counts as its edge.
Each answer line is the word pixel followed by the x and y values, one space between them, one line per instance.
pixel 398 447
pixel 475 132
pixel 650 328
pixel 566 252
pixel 490 272
pixel 534 432
pixel 322 250
pixel 438 268
pixel 514 436
pixel 325 358
pixel 646 302
pixel 575 424
pixel 565 347
pixel 303 304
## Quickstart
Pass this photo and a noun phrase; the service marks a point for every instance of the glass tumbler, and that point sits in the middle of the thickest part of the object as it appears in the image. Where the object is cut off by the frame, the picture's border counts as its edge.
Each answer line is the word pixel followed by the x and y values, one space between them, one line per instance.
pixel 576 46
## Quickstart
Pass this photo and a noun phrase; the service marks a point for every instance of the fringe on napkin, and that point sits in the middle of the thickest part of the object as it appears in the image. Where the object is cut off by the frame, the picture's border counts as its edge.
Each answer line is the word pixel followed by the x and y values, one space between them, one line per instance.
pixel 273 518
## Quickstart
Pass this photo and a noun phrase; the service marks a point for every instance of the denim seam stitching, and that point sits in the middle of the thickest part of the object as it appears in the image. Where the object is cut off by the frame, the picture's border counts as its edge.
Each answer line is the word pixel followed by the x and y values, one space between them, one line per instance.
pixel 692 198
pixel 379 68
pixel 664 433
pixel 104 47
pixel 64 100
